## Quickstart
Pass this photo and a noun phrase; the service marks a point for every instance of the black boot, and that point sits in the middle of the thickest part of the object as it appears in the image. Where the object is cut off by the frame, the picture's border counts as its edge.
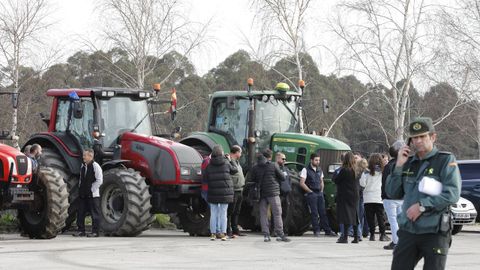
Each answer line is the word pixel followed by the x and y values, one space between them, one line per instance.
pixel 355 235
pixel 343 239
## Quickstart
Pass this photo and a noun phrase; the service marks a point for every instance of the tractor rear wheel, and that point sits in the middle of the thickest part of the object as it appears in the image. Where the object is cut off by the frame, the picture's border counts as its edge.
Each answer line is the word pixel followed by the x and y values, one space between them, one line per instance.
pixel 52 159
pixel 298 219
pixel 124 203
pixel 46 217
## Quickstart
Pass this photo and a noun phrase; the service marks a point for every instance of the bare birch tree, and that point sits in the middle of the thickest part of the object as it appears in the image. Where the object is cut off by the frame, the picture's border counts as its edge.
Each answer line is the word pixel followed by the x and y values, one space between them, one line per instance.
pixel 387 42
pixel 147 30
pixel 21 21
pixel 461 23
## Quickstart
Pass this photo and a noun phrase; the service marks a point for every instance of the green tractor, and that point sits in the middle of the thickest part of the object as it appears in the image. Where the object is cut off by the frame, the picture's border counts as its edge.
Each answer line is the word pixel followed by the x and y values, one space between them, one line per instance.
pixel 269 119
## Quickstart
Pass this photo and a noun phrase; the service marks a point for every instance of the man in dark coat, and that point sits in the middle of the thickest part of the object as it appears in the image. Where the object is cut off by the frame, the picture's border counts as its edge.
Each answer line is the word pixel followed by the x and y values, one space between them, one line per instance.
pixel 220 191
pixel 269 176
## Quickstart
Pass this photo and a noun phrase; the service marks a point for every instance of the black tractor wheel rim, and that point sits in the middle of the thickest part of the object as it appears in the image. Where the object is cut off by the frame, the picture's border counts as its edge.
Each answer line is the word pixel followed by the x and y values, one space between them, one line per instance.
pixel 112 204
pixel 38 211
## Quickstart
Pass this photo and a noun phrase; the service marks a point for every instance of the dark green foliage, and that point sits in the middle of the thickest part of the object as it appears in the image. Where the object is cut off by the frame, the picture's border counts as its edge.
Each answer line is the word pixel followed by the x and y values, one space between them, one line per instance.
pixel 367 127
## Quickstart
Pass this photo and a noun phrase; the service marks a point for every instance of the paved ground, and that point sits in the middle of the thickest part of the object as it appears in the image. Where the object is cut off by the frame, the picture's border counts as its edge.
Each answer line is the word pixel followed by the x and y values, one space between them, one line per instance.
pixel 164 249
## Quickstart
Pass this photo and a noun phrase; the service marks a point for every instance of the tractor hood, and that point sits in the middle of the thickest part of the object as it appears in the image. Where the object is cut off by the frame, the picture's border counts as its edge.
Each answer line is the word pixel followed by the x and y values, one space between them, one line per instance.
pixel 161 160
pixel 15 161
pixel 314 141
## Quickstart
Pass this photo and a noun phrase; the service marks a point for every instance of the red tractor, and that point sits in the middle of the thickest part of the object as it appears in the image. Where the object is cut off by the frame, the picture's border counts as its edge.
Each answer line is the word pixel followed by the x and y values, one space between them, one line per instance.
pixel 41 197
pixel 143 174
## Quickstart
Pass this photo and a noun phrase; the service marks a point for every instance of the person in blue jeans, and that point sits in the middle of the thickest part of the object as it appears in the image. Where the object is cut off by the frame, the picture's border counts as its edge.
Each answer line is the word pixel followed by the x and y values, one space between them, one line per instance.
pixel 393 208
pixel 311 181
pixel 220 191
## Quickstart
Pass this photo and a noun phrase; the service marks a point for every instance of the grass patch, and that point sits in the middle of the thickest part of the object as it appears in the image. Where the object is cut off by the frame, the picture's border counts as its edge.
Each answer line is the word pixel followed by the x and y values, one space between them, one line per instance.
pixel 163 221
pixel 8 222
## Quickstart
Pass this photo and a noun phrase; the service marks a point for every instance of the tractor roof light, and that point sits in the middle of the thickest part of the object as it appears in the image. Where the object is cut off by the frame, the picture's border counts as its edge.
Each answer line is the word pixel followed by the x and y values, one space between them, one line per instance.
pixel 282 87
pixel 301 84
pixel 108 93
pixel 250 82
pixel 156 87
pixel 143 94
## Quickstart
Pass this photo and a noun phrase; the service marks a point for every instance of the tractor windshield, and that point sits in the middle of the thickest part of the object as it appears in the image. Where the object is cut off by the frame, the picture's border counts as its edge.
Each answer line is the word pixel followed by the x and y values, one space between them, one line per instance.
pixel 120 114
pixel 271 117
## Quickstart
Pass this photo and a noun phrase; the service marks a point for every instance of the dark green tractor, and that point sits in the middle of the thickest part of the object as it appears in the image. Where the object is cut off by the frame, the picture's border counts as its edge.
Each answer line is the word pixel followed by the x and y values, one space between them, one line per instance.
pixel 268 119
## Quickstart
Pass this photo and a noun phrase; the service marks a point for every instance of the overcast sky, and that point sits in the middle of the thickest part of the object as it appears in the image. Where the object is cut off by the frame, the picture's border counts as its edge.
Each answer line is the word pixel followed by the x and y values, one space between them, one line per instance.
pixel 75 19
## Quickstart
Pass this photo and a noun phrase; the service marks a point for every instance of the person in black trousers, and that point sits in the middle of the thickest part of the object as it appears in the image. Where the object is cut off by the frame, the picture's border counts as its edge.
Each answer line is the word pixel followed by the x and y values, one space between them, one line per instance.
pixel 347 198
pixel 91 178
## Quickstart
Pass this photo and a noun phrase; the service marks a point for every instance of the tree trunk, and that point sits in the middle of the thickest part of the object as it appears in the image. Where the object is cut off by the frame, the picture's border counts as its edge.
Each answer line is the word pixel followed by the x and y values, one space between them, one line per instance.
pixel 478 131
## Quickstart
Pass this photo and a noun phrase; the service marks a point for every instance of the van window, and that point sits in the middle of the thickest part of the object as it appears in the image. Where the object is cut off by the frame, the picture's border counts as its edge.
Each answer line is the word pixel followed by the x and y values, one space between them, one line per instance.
pixel 470 171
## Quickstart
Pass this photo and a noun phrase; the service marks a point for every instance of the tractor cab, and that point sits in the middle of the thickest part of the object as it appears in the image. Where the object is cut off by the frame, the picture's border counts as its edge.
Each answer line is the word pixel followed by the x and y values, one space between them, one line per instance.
pixel 97 117
pixel 275 112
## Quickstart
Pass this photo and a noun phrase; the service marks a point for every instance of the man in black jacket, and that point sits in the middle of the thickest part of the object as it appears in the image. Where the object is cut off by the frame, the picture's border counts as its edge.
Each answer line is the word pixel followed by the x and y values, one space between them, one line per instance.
pixel 91 178
pixel 281 159
pixel 269 176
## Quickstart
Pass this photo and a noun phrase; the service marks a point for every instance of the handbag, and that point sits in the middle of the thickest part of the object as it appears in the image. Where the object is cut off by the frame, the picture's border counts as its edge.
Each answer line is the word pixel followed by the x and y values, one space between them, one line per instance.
pixel 254 192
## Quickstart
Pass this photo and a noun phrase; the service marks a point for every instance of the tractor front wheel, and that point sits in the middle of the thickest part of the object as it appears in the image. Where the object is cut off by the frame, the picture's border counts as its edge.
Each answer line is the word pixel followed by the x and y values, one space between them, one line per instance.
pixel 195 221
pixel 49 210
pixel 124 203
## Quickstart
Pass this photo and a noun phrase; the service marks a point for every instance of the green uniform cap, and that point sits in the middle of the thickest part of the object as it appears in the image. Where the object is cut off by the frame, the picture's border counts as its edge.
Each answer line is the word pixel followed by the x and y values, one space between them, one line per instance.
pixel 420 126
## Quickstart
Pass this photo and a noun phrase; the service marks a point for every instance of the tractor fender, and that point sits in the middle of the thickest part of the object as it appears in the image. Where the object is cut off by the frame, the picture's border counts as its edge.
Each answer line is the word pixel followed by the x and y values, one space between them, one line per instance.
pixel 208 139
pixel 68 149
pixel 114 164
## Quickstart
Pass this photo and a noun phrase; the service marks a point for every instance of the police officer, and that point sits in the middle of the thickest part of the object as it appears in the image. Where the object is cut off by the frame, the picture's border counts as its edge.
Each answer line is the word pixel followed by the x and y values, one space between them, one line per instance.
pixel 311 181
pixel 424 224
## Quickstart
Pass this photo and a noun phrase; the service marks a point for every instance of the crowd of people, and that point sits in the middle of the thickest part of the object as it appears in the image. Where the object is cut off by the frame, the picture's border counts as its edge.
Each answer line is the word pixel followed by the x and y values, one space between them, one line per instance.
pixel 366 190
pixel 361 200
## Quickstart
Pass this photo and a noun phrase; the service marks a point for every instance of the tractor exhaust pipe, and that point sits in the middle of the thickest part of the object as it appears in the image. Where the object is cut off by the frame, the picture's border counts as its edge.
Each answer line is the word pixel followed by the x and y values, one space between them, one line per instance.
pixel 251 126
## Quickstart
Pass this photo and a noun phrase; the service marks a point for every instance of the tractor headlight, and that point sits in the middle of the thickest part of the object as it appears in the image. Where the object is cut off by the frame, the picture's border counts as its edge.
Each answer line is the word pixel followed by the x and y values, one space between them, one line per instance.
pixel 184 171
pixel 198 171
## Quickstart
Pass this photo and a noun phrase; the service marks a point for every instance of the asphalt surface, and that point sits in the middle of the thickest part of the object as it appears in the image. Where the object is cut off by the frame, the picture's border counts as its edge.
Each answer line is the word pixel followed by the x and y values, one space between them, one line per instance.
pixel 170 249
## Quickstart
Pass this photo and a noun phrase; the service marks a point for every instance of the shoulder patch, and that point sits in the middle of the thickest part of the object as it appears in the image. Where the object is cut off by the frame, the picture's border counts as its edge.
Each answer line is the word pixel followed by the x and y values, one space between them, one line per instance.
pixel 452 164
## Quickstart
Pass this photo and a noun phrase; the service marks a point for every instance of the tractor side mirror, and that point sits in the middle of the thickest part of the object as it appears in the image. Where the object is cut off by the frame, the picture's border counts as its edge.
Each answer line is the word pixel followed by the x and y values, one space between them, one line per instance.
pixel 326 107
pixel 5 135
pixel 77 109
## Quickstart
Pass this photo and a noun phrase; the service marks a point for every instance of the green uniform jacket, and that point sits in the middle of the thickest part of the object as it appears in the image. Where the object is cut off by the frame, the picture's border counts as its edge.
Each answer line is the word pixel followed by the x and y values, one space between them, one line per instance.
pixel 238 178
pixel 403 183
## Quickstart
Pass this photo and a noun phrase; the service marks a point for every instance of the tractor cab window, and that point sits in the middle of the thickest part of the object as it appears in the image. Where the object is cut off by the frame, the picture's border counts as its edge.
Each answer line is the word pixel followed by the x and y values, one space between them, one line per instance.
pixel 231 119
pixel 120 114
pixel 80 128
pixel 274 116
